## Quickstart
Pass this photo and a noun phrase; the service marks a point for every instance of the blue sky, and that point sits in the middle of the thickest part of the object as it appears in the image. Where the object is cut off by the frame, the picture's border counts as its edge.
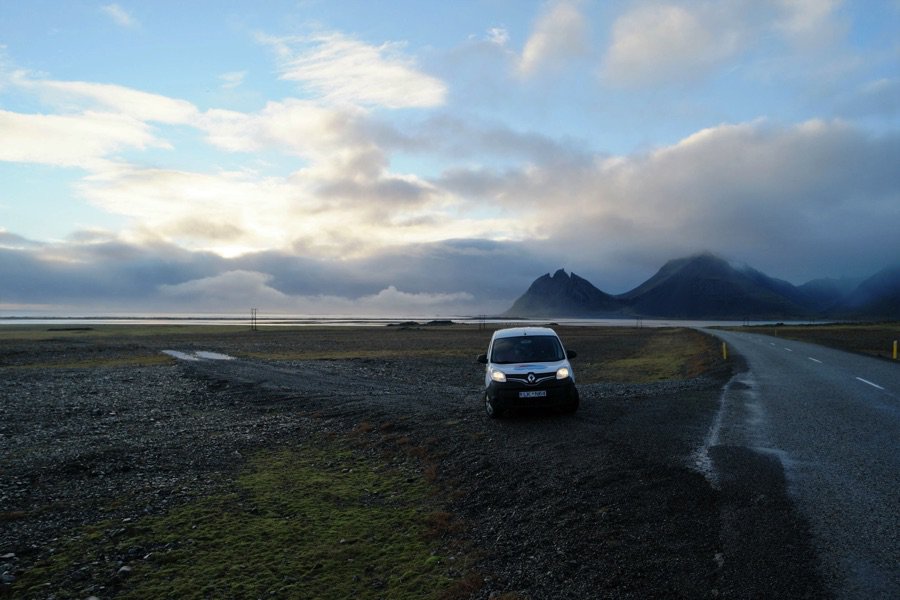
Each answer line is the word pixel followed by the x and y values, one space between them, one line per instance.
pixel 433 157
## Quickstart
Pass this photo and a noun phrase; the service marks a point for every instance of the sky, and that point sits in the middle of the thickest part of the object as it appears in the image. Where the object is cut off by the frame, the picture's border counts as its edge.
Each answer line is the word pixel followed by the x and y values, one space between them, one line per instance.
pixel 434 158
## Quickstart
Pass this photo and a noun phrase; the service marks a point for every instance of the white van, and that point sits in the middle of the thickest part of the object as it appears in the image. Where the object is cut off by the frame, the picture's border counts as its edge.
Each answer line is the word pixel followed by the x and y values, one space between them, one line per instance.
pixel 525 367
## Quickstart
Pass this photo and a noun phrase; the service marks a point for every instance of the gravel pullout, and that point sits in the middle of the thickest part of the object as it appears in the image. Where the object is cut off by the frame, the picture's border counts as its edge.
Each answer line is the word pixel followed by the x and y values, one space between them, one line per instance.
pixel 601 504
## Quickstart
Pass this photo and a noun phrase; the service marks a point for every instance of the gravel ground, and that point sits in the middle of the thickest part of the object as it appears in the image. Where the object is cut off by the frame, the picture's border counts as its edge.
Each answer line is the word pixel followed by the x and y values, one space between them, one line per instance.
pixel 603 503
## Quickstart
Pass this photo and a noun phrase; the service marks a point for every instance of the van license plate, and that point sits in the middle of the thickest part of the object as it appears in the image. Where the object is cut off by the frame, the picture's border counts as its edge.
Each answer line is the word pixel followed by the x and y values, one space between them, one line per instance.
pixel 535 394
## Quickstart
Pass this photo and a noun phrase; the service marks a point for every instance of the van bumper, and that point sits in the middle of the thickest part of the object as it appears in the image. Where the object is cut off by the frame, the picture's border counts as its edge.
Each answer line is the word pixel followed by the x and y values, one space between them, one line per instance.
pixel 509 395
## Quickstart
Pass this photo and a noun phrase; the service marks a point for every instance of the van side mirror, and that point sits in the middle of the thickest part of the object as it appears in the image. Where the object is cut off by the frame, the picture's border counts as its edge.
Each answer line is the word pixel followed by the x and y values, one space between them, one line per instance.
pixel 482 358
pixel 571 353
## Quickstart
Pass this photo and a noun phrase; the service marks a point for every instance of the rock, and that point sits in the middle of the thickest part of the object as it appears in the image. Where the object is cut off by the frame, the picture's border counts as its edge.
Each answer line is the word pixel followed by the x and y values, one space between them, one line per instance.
pixel 124 571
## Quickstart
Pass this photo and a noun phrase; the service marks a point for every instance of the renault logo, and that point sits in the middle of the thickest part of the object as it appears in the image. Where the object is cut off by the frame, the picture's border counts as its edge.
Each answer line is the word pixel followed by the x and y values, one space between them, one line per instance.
pixel 531 378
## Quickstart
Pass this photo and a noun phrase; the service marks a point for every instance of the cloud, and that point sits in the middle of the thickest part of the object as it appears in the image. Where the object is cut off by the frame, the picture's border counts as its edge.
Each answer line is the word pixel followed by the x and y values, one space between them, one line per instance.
pixel 302 127
pixel 232 291
pixel 91 122
pixel 392 299
pixel 662 43
pixel 476 138
pixel 677 42
pixel 229 212
pixel 454 277
pixel 816 199
pixel 119 15
pixel 232 79
pixel 498 36
pixel 97 273
pixel 341 69
pixel 83 140
pixel 227 291
pixel 137 104
pixel 559 34
pixel 12 241
pixel 345 207
pixel 809 23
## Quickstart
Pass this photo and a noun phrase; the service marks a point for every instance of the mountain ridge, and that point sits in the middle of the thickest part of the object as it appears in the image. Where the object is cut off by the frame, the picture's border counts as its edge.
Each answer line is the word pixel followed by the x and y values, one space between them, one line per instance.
pixel 706 286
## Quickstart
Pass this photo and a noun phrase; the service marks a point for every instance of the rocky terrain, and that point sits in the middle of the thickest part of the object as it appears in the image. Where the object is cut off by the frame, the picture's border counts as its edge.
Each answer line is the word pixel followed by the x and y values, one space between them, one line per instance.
pixel 605 503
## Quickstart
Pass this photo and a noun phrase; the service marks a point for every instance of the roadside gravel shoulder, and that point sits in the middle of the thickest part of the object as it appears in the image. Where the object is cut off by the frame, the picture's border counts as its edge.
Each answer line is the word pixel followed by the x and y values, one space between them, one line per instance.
pixel 603 503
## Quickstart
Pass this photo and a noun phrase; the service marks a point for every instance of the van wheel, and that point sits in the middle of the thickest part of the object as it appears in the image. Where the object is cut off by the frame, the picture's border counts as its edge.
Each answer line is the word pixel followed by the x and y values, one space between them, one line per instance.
pixel 572 406
pixel 491 410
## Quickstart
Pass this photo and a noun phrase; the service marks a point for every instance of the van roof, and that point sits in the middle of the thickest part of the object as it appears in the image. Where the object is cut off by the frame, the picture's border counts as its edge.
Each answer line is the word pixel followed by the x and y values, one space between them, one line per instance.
pixel 520 331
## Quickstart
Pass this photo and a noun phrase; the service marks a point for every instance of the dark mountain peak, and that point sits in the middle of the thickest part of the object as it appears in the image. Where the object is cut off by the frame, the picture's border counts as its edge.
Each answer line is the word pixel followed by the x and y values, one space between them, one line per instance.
pixel 876 297
pixel 704 262
pixel 563 295
pixel 707 286
pixel 703 265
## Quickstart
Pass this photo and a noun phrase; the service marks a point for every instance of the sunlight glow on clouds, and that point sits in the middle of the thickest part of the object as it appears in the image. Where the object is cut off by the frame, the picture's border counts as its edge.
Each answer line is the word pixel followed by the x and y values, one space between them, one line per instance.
pixel 302 127
pixel 77 140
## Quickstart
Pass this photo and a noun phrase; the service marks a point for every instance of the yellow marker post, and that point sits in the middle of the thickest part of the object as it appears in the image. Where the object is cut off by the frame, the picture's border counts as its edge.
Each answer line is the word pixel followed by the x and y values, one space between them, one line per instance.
pixel 895 349
pixel 725 350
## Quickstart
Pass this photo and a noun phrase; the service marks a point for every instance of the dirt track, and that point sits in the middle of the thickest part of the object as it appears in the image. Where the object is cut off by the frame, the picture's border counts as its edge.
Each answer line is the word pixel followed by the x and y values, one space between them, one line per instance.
pixel 604 503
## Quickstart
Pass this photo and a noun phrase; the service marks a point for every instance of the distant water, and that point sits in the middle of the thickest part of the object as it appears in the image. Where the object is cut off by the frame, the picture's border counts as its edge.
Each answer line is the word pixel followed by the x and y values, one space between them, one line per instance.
pixel 347 321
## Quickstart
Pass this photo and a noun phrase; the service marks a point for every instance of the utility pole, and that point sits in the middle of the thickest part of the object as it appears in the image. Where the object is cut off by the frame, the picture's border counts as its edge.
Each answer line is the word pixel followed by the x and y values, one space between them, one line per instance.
pixel 253 324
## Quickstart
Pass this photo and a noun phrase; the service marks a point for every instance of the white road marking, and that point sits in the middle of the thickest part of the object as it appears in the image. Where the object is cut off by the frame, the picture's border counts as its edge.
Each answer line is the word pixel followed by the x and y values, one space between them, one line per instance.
pixel 788 349
pixel 816 360
pixel 875 385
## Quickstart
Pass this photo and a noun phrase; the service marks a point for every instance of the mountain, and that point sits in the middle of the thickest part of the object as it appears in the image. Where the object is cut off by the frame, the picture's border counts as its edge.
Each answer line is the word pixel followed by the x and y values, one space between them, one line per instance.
pixel 824 294
pixel 878 297
pixel 705 286
pixel 564 295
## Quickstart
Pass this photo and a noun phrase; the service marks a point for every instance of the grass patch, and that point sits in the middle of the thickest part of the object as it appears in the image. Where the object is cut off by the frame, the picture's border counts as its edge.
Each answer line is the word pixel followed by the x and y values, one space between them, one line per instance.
pixel 321 521
pixel 621 354
pixel 639 355
pixel 875 339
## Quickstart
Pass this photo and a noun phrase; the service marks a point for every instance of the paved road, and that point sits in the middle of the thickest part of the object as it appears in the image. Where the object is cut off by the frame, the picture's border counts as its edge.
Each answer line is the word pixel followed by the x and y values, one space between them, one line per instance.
pixel 833 421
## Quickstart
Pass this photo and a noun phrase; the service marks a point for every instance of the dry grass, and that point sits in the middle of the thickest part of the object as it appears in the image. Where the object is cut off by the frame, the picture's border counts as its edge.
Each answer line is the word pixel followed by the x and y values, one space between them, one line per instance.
pixel 606 354
pixel 639 355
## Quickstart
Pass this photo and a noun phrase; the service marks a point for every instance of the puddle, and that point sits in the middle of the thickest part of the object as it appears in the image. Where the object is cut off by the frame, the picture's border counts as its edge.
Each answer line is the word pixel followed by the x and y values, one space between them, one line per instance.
pixel 213 355
pixel 197 356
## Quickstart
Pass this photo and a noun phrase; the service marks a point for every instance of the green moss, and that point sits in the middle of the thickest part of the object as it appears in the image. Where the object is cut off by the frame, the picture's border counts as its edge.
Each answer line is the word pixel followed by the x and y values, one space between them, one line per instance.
pixel 316 522
pixel 643 369
pixel 639 355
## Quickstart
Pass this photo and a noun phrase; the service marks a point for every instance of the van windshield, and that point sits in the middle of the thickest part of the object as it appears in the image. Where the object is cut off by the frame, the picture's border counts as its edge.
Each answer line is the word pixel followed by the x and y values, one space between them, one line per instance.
pixel 527 348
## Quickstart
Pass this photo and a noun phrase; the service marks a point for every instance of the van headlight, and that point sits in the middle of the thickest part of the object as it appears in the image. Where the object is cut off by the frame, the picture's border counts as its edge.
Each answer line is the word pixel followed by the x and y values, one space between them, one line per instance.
pixel 562 372
pixel 498 376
